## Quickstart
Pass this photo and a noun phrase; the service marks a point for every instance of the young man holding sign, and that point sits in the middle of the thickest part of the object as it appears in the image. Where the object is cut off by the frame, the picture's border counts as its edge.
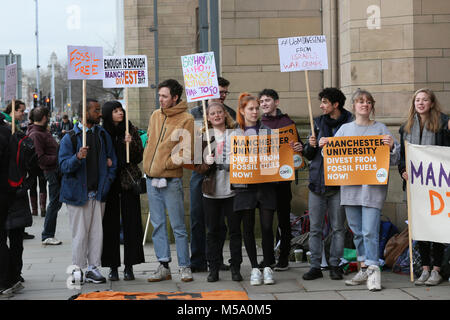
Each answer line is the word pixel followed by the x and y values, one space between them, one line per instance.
pixel 274 119
pixel 163 167
pixel 87 176
pixel 323 199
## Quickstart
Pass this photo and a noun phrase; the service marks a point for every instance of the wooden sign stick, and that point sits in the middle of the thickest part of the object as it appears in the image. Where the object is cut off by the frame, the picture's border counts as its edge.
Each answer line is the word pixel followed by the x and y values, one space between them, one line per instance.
pixel 309 105
pixel 84 113
pixel 206 126
pixel 126 124
pixel 408 197
pixel 13 116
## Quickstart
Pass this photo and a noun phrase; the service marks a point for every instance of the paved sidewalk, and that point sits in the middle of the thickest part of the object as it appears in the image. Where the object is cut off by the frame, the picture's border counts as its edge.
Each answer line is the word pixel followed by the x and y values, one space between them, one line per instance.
pixel 44 271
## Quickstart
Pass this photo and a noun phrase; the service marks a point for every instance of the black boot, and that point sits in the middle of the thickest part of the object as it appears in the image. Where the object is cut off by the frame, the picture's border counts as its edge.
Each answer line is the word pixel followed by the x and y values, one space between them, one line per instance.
pixel 113 274
pixel 128 273
pixel 336 273
pixel 213 275
pixel 235 273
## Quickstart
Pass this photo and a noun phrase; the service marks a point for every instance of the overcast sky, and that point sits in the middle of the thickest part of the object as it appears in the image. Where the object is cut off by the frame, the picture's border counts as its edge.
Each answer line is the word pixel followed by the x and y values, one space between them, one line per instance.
pixel 61 23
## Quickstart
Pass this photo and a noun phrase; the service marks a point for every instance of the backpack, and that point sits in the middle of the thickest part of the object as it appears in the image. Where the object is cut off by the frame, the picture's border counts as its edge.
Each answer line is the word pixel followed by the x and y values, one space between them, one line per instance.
pixel 395 247
pixel 402 264
pixel 387 231
pixel 305 222
pixel 23 159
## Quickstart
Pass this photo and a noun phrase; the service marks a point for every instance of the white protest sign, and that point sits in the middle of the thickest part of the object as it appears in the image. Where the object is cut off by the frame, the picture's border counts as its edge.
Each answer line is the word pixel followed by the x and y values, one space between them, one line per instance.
pixel 428 170
pixel 200 76
pixel 303 53
pixel 85 63
pixel 125 71
pixel 10 82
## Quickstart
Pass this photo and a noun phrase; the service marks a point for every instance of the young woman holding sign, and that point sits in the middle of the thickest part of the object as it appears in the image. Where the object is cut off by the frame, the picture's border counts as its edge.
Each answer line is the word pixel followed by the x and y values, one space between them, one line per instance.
pixel 426 125
pixel 251 196
pixel 218 196
pixel 363 203
pixel 123 200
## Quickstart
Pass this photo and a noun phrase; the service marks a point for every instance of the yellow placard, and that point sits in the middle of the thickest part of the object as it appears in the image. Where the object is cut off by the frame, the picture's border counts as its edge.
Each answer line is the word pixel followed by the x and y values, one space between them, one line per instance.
pixel 357 160
pixel 260 159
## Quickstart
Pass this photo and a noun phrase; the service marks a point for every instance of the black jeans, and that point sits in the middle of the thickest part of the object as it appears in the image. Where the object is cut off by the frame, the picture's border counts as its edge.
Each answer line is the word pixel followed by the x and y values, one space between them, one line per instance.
pixel 8 254
pixel 429 250
pixel 54 205
pixel 215 212
pixel 266 219
pixel 284 197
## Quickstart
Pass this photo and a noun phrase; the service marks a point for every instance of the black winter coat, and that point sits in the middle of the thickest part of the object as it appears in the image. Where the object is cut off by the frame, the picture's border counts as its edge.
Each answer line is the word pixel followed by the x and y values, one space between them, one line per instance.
pixel 314 154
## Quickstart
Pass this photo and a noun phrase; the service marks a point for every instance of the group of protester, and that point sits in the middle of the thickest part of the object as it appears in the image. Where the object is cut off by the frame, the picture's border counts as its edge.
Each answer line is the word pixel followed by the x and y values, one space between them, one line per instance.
pixel 97 181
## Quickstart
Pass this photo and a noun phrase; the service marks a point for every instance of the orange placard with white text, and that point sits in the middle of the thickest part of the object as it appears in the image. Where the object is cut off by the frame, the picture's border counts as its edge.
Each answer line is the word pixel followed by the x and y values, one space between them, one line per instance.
pixel 357 160
pixel 291 133
pixel 260 159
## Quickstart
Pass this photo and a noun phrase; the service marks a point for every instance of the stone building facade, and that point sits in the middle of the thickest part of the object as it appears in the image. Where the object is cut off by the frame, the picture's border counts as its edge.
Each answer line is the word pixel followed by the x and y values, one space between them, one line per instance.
pixel 391 48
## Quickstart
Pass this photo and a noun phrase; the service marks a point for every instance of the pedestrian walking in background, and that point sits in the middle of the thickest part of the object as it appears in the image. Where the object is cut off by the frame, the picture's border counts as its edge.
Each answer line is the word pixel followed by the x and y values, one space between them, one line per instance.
pixel 47 151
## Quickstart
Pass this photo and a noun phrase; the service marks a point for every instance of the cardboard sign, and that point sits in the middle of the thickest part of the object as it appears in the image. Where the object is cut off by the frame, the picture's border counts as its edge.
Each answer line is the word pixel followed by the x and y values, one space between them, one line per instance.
pixel 259 159
pixel 125 71
pixel 85 63
pixel 357 160
pixel 10 82
pixel 291 133
pixel 200 76
pixel 303 53
pixel 428 170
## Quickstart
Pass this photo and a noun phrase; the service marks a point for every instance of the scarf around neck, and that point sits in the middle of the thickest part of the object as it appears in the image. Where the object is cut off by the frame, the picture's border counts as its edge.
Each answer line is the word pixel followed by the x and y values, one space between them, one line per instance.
pixel 423 138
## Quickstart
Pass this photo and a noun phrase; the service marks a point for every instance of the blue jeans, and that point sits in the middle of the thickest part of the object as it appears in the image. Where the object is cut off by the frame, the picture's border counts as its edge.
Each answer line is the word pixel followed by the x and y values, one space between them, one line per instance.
pixel 170 198
pixel 365 225
pixel 318 205
pixel 198 225
pixel 53 206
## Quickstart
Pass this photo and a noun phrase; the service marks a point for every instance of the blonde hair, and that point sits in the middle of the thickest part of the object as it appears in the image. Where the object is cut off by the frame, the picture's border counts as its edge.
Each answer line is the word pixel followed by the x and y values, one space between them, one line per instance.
pixel 363 93
pixel 243 100
pixel 433 121
pixel 229 122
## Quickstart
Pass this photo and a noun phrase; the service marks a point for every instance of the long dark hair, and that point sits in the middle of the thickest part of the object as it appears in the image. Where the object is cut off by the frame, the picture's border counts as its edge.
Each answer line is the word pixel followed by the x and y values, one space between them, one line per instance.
pixel 108 123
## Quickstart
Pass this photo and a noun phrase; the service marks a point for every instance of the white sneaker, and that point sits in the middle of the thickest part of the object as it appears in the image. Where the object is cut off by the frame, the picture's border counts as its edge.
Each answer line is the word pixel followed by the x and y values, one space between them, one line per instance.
pixel 434 279
pixel 268 276
pixel 256 278
pixel 77 277
pixel 374 278
pixel 51 241
pixel 359 278
pixel 160 274
pixel 423 277
pixel 186 274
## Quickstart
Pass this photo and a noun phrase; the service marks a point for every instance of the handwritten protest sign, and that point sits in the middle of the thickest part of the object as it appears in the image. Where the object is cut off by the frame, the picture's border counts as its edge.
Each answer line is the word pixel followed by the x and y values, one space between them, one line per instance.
pixel 200 76
pixel 303 53
pixel 291 133
pixel 259 159
pixel 85 63
pixel 428 169
pixel 125 71
pixel 11 82
pixel 357 160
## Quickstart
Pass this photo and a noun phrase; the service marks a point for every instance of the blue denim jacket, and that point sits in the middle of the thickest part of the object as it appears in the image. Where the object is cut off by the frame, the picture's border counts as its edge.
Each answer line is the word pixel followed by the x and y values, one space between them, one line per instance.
pixel 74 180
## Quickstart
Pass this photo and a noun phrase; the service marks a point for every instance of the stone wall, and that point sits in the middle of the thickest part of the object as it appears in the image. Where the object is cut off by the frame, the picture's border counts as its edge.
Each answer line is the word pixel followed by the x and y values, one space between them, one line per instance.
pixel 409 50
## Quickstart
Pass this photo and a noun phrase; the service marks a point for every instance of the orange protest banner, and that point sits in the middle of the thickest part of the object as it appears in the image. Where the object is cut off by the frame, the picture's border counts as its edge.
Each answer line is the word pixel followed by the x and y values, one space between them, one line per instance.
pixel 357 160
pixel 260 159
pixel 291 133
